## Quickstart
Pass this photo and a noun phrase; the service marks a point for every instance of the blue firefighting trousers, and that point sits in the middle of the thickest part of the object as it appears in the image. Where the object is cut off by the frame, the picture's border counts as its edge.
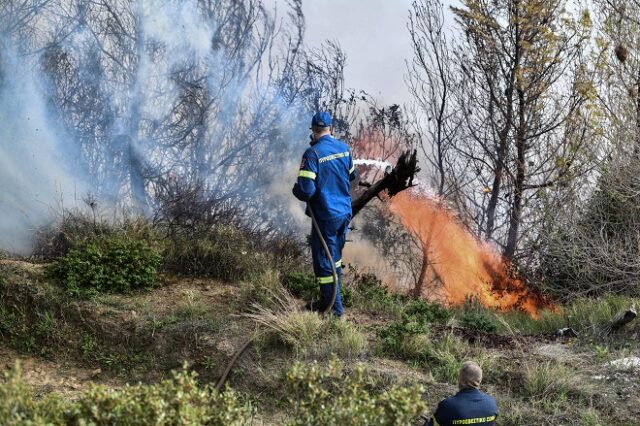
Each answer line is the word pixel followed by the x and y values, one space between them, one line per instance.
pixel 334 232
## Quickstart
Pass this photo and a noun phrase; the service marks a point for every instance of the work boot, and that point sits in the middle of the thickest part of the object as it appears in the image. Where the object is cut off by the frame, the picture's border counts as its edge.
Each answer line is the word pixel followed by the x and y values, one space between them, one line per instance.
pixel 313 306
pixel 317 306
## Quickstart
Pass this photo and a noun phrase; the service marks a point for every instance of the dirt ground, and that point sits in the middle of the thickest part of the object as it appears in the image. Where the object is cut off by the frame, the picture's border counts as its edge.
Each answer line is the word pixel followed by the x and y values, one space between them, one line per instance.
pixel 615 378
pixel 45 376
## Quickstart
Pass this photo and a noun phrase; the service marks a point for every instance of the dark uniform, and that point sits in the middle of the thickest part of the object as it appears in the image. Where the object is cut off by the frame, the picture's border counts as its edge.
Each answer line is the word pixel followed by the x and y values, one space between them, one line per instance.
pixel 323 182
pixel 467 407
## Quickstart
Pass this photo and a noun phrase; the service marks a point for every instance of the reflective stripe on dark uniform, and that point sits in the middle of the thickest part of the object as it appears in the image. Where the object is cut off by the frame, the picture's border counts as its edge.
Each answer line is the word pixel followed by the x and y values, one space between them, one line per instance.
pixel 467 407
pixel 323 182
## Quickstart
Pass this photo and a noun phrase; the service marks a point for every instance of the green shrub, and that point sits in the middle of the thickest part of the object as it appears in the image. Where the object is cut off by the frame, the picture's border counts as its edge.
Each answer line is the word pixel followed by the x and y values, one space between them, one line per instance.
pixel 17 406
pixel 180 400
pixel 221 252
pixel 177 401
pixel 328 396
pixel 77 228
pixel 410 339
pixel 405 339
pixel 477 317
pixel 427 312
pixel 479 321
pixel 7 320
pixel 109 263
pixel 370 294
pixel 301 284
pixel 347 297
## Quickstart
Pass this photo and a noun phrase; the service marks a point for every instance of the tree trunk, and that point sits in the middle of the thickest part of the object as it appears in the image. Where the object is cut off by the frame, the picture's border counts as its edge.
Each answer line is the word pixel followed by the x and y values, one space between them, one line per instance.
pixel 503 136
pixel 135 157
pixel 417 290
pixel 136 164
pixel 636 146
pixel 443 105
pixel 516 208
pixel 497 180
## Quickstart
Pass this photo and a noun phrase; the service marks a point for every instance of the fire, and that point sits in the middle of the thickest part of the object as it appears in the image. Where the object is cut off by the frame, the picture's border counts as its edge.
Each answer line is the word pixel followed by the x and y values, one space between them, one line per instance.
pixel 465 266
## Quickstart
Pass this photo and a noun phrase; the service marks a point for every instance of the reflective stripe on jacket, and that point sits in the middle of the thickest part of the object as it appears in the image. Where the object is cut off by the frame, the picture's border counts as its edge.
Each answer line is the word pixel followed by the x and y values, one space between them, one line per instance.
pixel 323 179
pixel 467 407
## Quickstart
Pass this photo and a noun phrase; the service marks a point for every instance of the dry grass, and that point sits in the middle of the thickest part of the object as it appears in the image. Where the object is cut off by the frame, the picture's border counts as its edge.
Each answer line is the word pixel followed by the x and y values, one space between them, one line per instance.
pixel 547 380
pixel 307 333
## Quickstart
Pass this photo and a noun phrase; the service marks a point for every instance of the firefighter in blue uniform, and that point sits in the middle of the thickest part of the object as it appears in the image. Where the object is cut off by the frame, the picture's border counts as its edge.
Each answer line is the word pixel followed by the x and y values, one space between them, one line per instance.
pixel 323 182
pixel 469 406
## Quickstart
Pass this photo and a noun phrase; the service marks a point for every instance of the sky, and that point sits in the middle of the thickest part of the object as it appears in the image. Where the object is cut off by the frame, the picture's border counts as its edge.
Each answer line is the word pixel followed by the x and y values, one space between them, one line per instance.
pixel 373 35
pixel 375 38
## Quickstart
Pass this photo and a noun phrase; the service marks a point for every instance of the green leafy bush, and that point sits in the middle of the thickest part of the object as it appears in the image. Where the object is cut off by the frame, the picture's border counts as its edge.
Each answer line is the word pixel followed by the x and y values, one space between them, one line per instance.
pixel 405 339
pixel 427 312
pixel 370 287
pixel 479 321
pixel 77 228
pixel 369 293
pixel 347 297
pixel 475 316
pixel 17 406
pixel 301 284
pixel 328 396
pixel 177 401
pixel 442 355
pixel 171 402
pixel 222 252
pixel 411 339
pixel 108 263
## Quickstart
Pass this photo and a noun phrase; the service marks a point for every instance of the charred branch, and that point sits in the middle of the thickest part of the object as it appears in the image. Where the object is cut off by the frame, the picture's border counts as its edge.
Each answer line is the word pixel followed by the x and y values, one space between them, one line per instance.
pixel 399 179
pixel 620 320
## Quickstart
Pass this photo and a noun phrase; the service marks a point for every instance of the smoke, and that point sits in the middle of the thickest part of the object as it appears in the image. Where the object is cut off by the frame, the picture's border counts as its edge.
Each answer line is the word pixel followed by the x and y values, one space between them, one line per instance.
pixel 178 26
pixel 170 91
pixel 367 257
pixel 34 155
pixel 180 35
pixel 279 190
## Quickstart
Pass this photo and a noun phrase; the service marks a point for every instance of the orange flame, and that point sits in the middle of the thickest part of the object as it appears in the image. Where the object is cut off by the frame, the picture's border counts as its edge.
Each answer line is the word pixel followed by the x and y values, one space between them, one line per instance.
pixel 465 266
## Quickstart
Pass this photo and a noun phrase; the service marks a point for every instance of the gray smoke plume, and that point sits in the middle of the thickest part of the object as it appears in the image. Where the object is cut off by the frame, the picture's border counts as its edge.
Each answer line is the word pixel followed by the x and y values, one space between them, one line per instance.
pixel 124 98
pixel 33 155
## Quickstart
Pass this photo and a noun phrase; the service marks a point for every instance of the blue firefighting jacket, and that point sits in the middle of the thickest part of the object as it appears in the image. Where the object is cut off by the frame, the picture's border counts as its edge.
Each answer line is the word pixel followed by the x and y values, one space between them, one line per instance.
pixel 323 180
pixel 467 407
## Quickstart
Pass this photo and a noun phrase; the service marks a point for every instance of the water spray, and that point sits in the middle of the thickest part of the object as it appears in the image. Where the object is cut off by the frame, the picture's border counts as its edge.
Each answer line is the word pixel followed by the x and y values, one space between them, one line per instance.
pixel 384 165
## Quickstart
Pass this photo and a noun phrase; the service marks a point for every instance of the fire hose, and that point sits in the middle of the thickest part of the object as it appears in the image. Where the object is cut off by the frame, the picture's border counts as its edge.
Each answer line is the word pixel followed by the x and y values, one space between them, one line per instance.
pixel 327 308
